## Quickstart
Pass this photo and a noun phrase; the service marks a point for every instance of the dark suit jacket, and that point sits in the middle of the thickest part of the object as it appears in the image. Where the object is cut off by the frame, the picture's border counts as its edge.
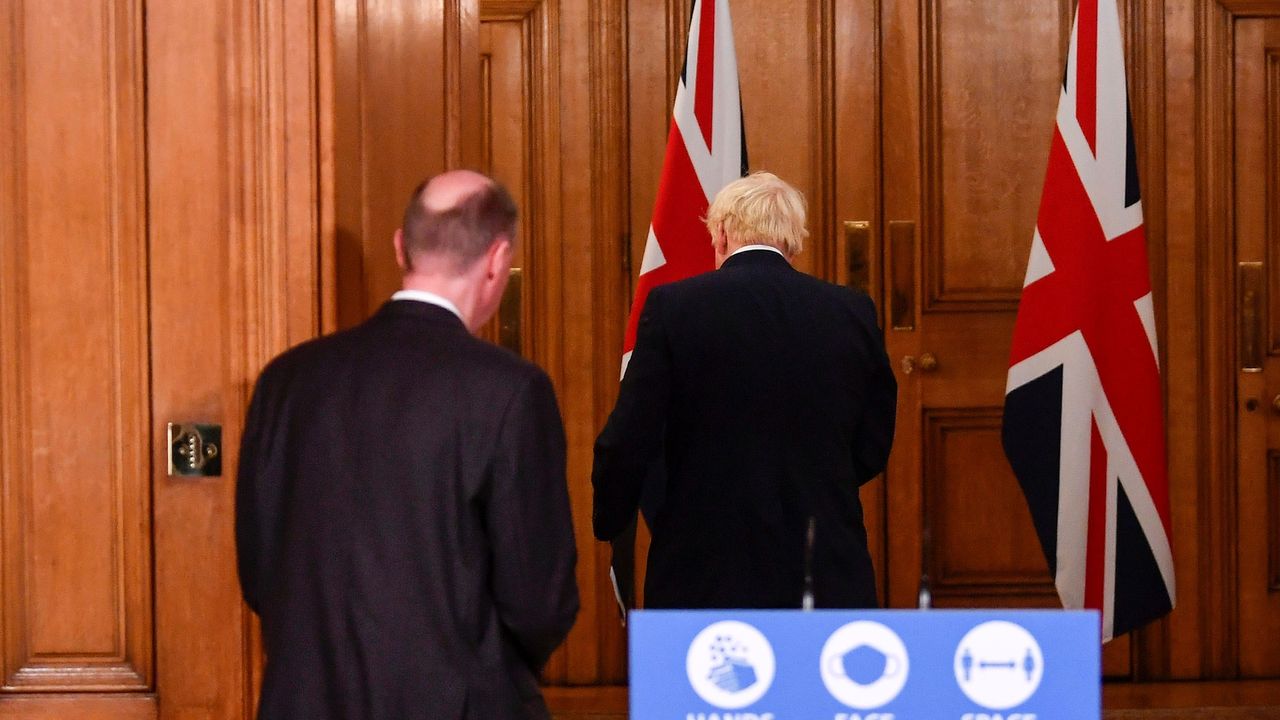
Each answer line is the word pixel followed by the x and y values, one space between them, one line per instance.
pixel 767 394
pixel 403 526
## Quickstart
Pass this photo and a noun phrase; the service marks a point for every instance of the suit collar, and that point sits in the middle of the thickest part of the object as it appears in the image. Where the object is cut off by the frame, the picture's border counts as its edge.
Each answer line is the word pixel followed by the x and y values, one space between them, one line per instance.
pixel 429 297
pixel 756 258
pixel 415 309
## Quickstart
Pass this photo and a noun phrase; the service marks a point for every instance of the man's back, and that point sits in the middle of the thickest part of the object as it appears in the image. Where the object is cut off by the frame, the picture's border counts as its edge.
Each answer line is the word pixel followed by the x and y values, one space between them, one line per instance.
pixel 403 524
pixel 778 404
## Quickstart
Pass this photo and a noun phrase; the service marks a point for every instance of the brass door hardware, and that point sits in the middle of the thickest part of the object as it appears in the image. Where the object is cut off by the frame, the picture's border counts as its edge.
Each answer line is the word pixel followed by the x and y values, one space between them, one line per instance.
pixel 902 275
pixel 510 314
pixel 926 363
pixel 195 450
pixel 1249 289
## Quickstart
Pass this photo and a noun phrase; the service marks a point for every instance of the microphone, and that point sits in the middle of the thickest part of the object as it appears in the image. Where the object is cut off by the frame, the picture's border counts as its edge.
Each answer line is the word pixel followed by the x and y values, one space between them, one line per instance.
pixel 925 599
pixel 807 602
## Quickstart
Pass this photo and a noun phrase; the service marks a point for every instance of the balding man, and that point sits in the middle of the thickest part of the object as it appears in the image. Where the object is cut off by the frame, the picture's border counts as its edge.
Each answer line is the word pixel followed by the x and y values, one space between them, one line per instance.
pixel 767 397
pixel 402 517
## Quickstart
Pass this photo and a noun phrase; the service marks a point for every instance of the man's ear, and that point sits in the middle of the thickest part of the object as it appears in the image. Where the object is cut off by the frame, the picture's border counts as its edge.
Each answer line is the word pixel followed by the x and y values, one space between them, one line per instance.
pixel 498 258
pixel 398 241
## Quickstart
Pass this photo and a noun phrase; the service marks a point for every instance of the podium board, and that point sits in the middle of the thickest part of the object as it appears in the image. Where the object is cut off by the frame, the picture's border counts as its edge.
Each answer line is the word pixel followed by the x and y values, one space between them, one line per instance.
pixel 865 665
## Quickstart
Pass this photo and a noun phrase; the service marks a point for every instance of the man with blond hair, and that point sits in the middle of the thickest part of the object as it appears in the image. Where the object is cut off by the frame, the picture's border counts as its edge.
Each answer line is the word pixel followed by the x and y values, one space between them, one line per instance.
pixel 767 397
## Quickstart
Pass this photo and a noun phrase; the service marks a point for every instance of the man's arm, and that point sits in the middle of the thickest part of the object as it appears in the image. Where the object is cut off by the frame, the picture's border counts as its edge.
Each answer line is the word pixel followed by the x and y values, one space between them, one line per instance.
pixel 631 441
pixel 530 526
pixel 880 401
pixel 256 486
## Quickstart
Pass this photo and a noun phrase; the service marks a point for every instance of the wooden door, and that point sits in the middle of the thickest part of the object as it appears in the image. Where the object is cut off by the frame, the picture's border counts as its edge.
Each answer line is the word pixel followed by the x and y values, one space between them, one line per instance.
pixel 157 246
pixel 967 119
pixel 75 421
pixel 1257 255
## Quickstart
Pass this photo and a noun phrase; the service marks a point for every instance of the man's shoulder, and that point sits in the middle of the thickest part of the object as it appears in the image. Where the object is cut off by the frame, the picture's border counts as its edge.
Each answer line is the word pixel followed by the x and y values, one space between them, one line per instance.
pixel 305 353
pixel 719 281
pixel 362 341
pixel 484 356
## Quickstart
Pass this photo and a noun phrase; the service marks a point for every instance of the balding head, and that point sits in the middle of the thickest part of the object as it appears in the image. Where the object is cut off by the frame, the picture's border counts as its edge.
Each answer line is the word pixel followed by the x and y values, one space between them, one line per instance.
pixel 446 190
pixel 453 218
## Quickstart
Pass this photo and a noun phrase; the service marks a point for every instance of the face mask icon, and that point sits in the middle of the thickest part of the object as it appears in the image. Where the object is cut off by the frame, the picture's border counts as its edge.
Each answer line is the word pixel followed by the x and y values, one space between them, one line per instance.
pixel 864 665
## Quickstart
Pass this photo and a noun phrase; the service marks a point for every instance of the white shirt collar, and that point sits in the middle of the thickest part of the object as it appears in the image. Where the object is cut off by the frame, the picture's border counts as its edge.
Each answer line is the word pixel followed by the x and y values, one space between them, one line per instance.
pixel 428 297
pixel 745 248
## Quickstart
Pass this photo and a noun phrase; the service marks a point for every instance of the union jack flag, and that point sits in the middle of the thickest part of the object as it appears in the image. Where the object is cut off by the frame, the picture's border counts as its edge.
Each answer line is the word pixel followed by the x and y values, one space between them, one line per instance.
pixel 706 150
pixel 1084 417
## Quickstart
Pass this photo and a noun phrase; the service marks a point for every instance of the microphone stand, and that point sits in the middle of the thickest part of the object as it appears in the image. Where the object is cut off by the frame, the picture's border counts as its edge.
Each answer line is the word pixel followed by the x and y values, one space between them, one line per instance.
pixel 806 602
pixel 925 599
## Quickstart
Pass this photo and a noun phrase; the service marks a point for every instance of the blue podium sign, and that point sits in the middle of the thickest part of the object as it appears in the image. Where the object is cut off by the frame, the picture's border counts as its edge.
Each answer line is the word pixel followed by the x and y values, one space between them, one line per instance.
pixel 865 665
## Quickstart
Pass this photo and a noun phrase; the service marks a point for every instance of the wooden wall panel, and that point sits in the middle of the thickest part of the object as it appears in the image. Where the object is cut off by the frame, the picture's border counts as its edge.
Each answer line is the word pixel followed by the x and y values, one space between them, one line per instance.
pixel 232 158
pixel 1183 364
pixel 855 181
pixel 983 550
pixel 401 113
pixel 779 67
pixel 1270 233
pixel 47 706
pixel 610 212
pixel 1272 525
pixel 989 114
pixel 73 349
pixel 593 202
pixel 1255 65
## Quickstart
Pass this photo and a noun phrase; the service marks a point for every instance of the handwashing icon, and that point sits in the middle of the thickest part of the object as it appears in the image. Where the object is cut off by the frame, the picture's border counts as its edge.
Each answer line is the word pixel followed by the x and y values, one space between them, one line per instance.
pixel 730 664
pixel 733 674
pixel 730 670
pixel 864 665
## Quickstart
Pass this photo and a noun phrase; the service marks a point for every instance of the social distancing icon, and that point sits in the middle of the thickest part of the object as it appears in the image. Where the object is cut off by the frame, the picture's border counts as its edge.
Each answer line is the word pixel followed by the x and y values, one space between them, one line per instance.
pixel 999 665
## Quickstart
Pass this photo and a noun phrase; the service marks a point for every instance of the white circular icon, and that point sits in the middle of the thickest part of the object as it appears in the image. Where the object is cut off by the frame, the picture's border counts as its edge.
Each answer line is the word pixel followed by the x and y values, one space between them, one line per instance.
pixel 730 664
pixel 999 665
pixel 864 665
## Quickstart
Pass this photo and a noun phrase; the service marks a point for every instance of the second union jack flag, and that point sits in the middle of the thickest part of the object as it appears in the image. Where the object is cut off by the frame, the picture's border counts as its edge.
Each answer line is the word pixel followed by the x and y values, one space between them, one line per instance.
pixel 1084 417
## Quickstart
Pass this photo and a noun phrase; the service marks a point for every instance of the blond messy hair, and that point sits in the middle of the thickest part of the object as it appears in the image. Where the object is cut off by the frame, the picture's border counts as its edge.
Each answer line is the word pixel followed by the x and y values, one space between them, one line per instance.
pixel 760 209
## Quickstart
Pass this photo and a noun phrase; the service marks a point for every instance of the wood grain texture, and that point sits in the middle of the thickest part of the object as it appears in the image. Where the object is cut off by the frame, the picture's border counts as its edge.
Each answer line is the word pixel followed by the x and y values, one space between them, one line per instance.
pixel 1255 67
pixel 856 183
pixel 1142 25
pixel 73 347
pixel 989 110
pixel 200 98
pixel 983 549
pixel 252 204
pixel 1183 364
pixel 80 705
pixel 232 153
pixel 610 202
pixel 392 120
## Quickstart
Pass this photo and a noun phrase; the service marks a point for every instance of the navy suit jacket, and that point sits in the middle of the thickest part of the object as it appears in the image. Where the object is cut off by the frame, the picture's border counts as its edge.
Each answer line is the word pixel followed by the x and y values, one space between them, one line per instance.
pixel 767 395
pixel 403 526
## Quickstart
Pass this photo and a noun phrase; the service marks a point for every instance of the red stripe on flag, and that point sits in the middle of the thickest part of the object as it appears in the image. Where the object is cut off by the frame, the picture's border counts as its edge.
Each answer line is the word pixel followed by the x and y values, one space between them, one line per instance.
pixel 704 93
pixel 678 227
pixel 1087 71
pixel 1095 578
